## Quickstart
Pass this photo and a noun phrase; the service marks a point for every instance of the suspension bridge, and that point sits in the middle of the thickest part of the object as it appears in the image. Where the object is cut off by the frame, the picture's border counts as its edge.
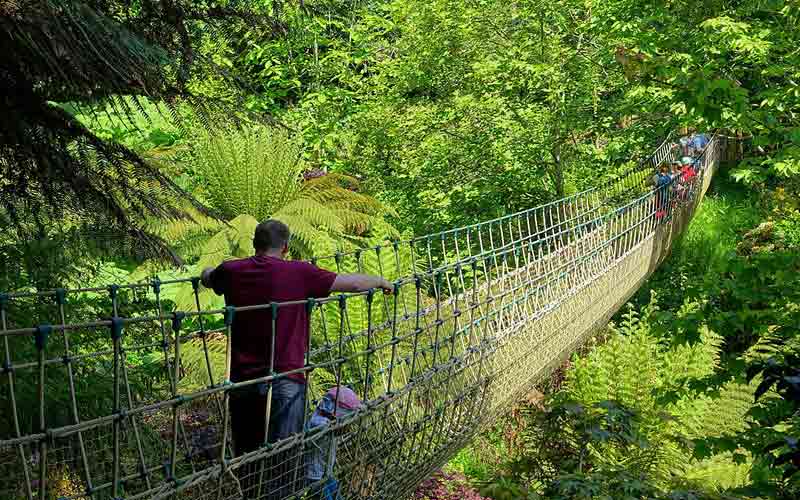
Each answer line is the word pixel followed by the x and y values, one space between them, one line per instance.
pixel 119 395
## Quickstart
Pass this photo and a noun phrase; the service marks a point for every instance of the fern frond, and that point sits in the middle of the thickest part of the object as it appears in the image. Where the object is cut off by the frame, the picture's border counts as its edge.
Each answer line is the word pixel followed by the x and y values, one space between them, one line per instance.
pixel 694 361
pixel 766 346
pixel 344 198
pixel 355 223
pixel 180 230
pixel 254 171
pixel 235 241
pixel 332 179
pixel 719 472
pixel 314 213
pixel 308 240
pixel 193 363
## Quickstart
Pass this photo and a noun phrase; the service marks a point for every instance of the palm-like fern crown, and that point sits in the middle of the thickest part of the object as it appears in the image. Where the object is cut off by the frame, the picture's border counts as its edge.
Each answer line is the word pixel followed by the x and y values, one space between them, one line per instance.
pixel 253 171
pixel 257 173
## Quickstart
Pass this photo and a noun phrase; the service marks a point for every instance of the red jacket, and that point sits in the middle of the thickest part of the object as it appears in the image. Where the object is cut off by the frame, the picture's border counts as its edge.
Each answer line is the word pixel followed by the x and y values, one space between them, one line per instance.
pixel 687 173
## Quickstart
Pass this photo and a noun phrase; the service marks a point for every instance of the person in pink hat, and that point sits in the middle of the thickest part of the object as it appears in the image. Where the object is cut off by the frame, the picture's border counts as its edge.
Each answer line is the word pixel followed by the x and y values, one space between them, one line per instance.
pixel 337 404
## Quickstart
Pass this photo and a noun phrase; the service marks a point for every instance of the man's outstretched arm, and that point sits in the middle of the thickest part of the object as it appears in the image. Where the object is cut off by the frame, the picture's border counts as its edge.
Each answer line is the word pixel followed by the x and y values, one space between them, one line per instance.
pixel 360 283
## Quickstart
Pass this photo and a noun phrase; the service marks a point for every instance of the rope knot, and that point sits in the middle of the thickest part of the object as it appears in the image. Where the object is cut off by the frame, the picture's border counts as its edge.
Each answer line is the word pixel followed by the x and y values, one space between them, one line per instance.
pixel 116 328
pixel 177 320
pixel 42 334
pixel 230 313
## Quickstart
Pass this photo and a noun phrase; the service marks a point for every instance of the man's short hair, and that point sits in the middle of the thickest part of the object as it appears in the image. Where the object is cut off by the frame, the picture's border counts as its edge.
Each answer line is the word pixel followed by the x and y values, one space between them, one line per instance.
pixel 271 235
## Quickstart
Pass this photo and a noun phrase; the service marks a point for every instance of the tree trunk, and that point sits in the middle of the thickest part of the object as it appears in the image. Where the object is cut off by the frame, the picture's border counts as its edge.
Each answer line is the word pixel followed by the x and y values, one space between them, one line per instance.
pixel 557 172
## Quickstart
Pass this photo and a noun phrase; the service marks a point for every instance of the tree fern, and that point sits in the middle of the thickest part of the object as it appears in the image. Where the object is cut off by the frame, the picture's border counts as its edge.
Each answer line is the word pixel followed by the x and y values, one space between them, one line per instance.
pixel 638 370
pixel 257 173
pixel 254 171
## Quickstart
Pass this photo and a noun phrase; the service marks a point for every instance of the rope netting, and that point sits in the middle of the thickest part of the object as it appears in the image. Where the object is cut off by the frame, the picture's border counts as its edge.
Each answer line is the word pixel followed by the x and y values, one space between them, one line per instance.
pixel 112 393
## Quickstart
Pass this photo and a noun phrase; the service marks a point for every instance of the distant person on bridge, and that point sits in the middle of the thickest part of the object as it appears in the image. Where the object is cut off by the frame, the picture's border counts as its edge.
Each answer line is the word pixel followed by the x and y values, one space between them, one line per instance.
pixel 675 169
pixel 662 182
pixel 688 171
pixel 263 278
pixel 686 145
pixel 699 142
pixel 677 181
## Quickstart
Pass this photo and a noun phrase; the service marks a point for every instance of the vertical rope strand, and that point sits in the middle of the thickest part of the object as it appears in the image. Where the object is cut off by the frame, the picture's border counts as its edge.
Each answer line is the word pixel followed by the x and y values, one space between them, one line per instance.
pixel 9 370
pixel 230 312
pixel 60 297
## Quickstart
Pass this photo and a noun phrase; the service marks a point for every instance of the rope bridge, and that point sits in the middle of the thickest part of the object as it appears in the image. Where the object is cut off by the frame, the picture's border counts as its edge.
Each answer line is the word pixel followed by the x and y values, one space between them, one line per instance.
pixel 114 394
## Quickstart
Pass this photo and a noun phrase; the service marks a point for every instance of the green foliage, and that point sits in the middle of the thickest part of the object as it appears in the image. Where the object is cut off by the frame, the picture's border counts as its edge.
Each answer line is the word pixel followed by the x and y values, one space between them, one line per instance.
pixel 731 65
pixel 634 368
pixel 259 172
pixel 514 103
pixel 54 170
pixel 472 94
pixel 615 485
pixel 468 462
pixel 627 417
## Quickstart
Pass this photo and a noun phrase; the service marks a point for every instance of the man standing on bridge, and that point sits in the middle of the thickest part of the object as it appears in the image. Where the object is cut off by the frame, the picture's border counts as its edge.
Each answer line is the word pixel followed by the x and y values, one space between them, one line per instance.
pixel 263 278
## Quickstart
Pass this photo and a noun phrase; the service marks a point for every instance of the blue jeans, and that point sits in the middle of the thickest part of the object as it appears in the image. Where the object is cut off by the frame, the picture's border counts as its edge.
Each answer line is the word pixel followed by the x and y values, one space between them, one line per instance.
pixel 248 408
pixel 288 408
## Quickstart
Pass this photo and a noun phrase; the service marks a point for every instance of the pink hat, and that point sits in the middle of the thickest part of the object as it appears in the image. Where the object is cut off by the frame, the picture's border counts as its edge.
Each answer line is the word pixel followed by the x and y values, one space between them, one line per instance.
pixel 347 398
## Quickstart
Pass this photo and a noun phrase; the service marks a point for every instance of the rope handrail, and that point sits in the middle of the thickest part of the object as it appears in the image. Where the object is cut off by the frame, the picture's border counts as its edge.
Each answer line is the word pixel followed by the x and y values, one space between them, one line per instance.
pixel 118 395
pixel 428 237
pixel 504 250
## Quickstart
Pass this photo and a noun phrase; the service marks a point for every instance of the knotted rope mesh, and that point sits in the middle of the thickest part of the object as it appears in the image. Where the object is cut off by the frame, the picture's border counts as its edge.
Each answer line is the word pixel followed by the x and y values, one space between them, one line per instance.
pixel 111 393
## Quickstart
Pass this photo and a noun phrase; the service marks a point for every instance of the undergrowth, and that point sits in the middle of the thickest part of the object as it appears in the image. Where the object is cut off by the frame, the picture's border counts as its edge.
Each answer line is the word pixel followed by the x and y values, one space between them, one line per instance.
pixel 650 375
pixel 707 248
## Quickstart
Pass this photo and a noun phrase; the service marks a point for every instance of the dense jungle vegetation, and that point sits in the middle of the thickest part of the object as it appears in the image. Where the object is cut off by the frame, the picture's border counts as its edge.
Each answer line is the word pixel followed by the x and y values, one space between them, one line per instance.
pixel 662 405
pixel 148 137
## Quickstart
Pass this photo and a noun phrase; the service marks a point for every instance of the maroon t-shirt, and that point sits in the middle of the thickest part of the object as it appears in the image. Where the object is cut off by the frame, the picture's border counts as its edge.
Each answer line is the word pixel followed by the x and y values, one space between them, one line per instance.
pixel 260 280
